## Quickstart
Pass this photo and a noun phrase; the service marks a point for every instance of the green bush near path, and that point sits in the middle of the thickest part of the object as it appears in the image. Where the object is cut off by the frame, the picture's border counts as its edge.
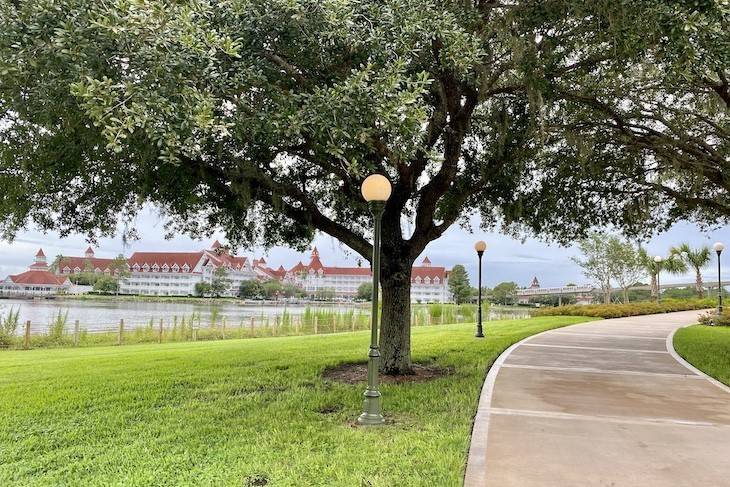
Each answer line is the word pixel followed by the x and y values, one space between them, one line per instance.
pixel 623 310
pixel 707 348
pixel 243 412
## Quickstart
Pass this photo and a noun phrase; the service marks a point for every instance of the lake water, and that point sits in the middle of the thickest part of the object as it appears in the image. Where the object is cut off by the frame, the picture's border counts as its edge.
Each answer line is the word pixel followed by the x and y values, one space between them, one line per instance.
pixel 98 315
pixel 103 315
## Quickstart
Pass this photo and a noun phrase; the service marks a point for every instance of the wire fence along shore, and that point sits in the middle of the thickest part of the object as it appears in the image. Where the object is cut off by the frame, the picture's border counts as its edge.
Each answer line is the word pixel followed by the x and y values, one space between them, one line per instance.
pixel 64 332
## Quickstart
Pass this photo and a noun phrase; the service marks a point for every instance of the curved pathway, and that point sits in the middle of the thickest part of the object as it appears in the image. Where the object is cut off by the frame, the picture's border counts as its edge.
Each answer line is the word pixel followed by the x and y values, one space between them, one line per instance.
pixel 606 403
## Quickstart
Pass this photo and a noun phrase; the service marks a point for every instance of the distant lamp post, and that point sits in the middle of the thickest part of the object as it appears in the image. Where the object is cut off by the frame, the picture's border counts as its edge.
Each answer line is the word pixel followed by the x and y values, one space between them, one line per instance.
pixel 480 247
pixel 719 247
pixel 658 260
pixel 376 190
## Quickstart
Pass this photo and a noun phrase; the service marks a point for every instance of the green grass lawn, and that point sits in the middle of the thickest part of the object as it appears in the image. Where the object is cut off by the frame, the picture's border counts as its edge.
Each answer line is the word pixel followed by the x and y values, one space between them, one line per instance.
pixel 707 348
pixel 242 412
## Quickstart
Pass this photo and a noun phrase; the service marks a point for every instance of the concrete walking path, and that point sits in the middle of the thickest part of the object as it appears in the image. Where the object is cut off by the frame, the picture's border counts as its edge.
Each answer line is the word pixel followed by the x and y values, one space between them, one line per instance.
pixel 606 403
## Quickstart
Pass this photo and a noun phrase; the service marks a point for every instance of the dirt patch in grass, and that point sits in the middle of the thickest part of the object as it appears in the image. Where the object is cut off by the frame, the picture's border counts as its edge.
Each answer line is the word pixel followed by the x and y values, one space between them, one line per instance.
pixel 358 373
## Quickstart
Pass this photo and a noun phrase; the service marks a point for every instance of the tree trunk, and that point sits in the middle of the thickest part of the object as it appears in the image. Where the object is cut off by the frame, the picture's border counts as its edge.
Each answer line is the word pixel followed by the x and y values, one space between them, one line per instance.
pixel 698 285
pixel 395 328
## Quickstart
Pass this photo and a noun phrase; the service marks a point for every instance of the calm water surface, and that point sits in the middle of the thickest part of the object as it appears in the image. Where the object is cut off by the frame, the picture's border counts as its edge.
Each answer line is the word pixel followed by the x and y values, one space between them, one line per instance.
pixel 97 315
pixel 105 315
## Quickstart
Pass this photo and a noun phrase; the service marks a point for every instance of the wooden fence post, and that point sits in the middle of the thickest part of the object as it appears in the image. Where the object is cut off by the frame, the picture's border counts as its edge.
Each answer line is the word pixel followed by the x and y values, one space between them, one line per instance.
pixel 76 333
pixel 223 327
pixel 315 325
pixel 159 332
pixel 252 327
pixel 121 331
pixel 26 345
pixel 353 321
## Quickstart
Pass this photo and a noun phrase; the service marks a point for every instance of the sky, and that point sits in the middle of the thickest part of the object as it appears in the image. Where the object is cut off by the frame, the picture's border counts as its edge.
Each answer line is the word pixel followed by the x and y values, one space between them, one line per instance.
pixel 505 259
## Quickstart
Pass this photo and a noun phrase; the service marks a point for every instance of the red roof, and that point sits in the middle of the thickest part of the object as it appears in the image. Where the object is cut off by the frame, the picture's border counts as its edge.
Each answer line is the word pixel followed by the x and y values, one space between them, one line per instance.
pixel 427 271
pixel 82 263
pixel 40 253
pixel 347 271
pixel 40 278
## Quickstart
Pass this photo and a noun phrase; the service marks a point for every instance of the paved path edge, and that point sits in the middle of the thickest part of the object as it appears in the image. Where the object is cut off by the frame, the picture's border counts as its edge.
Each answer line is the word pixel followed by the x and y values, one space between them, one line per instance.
pixel 678 358
pixel 475 464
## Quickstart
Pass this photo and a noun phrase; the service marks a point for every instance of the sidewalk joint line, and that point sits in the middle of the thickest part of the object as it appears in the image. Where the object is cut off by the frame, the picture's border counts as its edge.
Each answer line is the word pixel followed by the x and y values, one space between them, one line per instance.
pixel 606 349
pixel 601 371
pixel 602 418
pixel 558 332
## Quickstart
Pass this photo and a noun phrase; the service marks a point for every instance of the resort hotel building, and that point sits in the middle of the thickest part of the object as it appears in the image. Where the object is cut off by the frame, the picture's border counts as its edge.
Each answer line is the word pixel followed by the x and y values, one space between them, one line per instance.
pixel 177 273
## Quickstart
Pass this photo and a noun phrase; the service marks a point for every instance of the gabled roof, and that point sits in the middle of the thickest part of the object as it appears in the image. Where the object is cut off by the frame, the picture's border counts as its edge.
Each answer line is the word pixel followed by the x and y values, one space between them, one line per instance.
pixel 40 253
pixel 428 271
pixel 39 278
pixel 82 262
pixel 347 271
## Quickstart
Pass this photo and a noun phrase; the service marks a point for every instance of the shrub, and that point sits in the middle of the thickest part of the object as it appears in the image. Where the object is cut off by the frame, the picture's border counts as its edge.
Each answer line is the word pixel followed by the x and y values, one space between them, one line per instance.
pixel 624 310
pixel 8 327
pixel 712 319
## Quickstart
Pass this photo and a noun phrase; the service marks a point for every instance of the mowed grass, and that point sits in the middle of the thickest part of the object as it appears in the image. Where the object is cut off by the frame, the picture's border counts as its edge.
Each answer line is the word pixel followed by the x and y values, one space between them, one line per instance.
pixel 242 412
pixel 707 348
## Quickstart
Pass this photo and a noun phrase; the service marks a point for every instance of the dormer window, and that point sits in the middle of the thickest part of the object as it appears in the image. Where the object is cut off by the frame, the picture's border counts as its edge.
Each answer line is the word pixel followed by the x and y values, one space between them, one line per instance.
pixel 427 280
pixel 66 270
pixel 145 268
pixel 77 270
pixel 165 268
pixel 106 272
pixel 436 280
pixel 155 268
pixel 418 280
pixel 175 268
pixel 186 268
pixel 136 267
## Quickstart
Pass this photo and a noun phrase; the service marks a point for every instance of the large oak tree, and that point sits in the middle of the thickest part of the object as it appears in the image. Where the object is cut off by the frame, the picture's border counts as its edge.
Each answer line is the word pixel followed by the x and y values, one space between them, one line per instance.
pixel 262 117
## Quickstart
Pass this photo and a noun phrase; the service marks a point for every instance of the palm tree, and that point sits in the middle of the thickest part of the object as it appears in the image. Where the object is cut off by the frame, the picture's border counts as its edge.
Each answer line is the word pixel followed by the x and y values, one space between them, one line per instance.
pixel 696 258
pixel 672 265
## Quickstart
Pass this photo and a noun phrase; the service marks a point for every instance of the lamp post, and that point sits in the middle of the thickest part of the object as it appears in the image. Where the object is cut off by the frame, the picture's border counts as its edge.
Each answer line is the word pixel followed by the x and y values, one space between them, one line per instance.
pixel 719 246
pixel 658 260
pixel 480 247
pixel 376 190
